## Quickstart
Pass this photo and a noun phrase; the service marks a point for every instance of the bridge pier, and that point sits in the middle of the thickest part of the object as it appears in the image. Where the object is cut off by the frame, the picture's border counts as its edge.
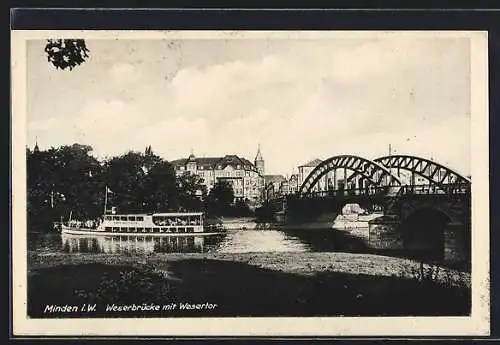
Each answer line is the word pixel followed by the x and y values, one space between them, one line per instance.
pixel 387 232
pixel 383 233
pixel 455 243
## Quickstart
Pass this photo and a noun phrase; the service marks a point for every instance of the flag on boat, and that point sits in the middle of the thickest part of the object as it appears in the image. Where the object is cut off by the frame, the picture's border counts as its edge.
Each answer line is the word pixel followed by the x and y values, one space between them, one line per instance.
pixel 108 190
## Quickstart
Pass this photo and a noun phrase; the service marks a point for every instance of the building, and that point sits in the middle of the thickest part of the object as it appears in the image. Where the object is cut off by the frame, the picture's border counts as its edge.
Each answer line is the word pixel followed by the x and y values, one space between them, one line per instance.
pixel 306 169
pixel 273 186
pixel 293 184
pixel 239 172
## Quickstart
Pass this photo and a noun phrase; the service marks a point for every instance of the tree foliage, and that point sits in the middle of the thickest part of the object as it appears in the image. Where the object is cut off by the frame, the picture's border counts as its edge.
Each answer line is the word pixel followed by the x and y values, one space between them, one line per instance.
pixel 66 53
pixel 69 179
pixel 61 180
pixel 220 198
pixel 191 191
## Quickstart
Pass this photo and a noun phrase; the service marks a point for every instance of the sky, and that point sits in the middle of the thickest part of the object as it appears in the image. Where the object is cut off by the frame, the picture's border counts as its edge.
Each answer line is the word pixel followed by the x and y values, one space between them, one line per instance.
pixel 300 99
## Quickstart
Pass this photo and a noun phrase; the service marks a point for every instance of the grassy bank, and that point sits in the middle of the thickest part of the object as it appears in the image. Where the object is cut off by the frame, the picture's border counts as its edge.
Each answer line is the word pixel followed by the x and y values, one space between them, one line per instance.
pixel 263 284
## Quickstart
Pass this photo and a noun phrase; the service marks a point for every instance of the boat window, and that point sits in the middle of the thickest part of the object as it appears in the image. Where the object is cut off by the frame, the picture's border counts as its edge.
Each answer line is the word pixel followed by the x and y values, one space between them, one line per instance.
pixel 149 230
pixel 107 217
pixel 140 219
pixel 123 218
pixel 140 229
pixel 116 229
pixel 108 228
pixel 116 218
pixel 131 218
pixel 164 229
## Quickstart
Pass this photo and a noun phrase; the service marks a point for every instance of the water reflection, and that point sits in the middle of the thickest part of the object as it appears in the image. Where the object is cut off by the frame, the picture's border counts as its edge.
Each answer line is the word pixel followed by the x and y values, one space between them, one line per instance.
pixel 233 241
pixel 247 241
pixel 135 244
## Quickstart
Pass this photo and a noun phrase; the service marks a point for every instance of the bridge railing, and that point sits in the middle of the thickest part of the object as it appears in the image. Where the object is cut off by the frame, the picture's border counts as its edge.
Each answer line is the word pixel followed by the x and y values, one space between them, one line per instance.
pixel 350 192
pixel 447 189
pixel 425 189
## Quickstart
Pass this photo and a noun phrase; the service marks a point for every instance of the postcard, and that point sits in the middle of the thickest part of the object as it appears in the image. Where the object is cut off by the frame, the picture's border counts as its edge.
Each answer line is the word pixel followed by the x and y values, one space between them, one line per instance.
pixel 236 183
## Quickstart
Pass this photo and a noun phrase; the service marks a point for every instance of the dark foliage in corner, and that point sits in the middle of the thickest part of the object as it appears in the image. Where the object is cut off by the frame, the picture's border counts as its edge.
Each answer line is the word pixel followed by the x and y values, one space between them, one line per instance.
pixel 66 53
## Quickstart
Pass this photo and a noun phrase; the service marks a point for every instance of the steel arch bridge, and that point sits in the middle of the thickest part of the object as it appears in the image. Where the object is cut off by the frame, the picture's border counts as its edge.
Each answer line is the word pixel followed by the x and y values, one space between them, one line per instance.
pixel 379 172
pixel 433 172
pixel 372 172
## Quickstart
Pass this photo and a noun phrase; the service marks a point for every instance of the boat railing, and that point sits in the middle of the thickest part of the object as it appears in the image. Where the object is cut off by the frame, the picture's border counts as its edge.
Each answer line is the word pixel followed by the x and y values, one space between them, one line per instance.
pixel 89 224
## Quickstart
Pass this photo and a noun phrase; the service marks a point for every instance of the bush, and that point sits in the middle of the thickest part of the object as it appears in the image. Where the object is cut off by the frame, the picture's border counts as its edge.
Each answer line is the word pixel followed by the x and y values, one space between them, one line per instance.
pixel 432 273
pixel 134 285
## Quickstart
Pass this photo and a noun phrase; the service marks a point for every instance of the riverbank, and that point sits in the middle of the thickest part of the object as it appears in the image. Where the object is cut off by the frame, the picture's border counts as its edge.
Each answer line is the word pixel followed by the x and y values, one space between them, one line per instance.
pixel 248 284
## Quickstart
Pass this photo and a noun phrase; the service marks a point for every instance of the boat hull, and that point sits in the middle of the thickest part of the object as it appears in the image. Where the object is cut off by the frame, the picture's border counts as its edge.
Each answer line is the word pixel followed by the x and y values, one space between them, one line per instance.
pixel 95 232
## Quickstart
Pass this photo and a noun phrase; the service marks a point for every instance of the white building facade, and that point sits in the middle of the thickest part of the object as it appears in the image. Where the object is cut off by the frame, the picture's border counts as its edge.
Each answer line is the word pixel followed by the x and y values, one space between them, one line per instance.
pixel 241 174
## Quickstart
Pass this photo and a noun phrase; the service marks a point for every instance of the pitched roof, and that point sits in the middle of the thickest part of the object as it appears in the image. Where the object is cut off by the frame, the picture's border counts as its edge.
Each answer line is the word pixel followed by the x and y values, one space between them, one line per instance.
pixel 312 163
pixel 216 162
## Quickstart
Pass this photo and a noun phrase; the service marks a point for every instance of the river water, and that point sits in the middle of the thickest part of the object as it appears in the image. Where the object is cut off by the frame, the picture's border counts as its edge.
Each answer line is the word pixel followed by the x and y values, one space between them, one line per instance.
pixel 232 241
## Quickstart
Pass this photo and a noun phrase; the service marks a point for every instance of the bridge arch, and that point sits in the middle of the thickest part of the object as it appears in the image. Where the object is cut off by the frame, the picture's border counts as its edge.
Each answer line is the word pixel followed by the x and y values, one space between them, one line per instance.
pixel 423 233
pixel 433 172
pixel 372 172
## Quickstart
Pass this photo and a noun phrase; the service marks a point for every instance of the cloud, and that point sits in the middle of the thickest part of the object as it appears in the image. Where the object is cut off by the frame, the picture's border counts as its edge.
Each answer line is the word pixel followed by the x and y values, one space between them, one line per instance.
pixel 299 99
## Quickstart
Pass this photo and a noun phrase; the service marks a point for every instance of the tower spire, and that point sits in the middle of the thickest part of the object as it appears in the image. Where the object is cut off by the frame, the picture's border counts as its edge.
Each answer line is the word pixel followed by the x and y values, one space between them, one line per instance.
pixel 36 149
pixel 259 161
pixel 258 157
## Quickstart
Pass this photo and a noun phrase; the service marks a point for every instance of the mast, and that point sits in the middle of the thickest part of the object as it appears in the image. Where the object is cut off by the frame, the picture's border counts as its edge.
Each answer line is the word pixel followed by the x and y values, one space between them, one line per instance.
pixel 106 199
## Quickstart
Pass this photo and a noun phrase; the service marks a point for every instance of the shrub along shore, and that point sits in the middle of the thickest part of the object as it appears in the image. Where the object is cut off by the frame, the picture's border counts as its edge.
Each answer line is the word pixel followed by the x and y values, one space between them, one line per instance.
pixel 244 284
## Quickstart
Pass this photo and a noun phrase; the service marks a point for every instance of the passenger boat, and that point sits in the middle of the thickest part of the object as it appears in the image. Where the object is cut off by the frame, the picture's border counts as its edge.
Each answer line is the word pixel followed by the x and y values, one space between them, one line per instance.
pixel 156 224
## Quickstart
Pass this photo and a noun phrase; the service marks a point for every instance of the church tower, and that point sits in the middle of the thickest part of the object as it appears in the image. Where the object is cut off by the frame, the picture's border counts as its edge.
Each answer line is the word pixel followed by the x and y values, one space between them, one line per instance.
pixel 259 162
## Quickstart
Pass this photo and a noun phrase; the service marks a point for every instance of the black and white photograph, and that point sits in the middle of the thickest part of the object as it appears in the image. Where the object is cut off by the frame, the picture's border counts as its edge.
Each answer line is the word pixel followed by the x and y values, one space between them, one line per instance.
pixel 241 182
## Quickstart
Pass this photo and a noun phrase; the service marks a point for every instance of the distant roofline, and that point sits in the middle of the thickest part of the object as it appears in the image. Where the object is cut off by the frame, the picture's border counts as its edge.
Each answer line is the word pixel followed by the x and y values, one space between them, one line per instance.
pixel 308 164
pixel 244 162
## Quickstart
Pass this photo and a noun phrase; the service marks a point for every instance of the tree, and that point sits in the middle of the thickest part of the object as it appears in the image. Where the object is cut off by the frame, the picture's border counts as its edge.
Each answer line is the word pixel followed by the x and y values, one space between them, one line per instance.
pixel 142 182
pixel 126 176
pixel 62 180
pixel 160 188
pixel 66 53
pixel 220 198
pixel 191 192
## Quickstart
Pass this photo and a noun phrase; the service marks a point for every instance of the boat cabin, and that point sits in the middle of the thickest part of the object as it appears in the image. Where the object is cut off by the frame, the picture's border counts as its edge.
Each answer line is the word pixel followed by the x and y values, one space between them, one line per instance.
pixel 154 223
